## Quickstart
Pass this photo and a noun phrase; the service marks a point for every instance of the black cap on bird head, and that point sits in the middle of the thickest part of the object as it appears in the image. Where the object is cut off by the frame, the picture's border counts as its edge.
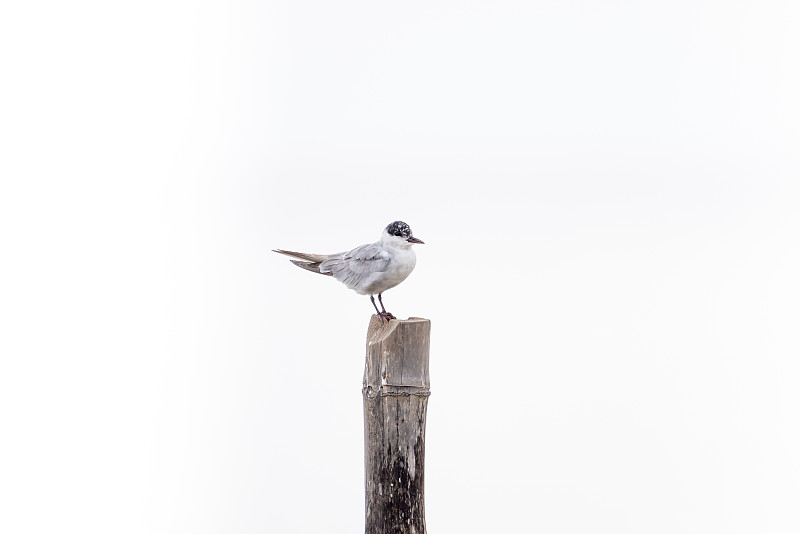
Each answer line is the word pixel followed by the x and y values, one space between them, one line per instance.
pixel 402 230
pixel 399 229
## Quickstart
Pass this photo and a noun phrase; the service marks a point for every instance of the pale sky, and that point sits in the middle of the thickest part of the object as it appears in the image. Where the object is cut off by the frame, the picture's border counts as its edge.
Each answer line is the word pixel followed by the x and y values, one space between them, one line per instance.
pixel 609 193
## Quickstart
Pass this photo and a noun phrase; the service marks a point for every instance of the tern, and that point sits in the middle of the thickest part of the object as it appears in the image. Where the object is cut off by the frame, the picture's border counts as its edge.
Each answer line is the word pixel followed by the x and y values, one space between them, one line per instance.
pixel 369 269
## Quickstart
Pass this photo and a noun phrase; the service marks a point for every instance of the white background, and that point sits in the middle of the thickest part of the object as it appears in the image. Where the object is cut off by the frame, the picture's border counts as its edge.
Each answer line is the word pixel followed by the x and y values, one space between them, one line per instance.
pixel 608 192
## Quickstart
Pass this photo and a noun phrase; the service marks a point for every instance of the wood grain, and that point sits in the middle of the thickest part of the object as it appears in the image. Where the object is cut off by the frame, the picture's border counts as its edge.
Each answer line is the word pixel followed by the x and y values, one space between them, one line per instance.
pixel 395 392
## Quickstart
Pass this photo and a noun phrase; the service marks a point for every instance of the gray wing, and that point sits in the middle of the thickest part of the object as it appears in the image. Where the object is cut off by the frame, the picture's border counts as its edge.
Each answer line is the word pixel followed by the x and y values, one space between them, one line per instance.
pixel 356 266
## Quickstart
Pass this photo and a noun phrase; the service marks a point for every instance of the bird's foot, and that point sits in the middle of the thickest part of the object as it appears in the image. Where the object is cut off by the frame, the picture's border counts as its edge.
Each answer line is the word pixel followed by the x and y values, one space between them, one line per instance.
pixel 386 315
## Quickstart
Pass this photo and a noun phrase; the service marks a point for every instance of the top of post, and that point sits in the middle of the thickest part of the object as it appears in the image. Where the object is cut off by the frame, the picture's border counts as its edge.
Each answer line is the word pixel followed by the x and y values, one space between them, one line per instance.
pixel 397 354
pixel 382 329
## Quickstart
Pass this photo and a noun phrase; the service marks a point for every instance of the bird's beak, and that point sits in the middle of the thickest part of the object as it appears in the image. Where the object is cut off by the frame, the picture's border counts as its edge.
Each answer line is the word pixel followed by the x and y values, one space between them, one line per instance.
pixel 413 239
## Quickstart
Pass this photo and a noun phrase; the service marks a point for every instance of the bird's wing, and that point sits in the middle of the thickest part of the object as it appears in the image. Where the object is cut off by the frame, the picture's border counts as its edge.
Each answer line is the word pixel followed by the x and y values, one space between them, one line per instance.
pixel 353 267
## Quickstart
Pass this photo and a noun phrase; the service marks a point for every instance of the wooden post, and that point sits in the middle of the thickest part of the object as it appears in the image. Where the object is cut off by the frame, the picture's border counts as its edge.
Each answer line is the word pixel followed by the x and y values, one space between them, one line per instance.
pixel 396 389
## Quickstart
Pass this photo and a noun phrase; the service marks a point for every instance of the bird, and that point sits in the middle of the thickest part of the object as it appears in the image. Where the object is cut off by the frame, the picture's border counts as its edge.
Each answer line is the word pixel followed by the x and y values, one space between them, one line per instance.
pixel 369 269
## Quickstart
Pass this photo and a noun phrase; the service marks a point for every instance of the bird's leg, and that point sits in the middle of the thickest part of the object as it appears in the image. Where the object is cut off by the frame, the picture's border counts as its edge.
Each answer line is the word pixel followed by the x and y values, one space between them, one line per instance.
pixel 385 313
pixel 372 298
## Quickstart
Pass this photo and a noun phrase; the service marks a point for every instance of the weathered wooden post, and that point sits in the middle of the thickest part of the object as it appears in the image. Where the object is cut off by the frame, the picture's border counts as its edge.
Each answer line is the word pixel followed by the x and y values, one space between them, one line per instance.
pixel 396 389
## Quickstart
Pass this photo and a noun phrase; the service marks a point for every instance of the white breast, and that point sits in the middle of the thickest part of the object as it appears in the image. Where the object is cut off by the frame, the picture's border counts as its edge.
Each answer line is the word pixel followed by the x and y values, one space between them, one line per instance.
pixel 403 262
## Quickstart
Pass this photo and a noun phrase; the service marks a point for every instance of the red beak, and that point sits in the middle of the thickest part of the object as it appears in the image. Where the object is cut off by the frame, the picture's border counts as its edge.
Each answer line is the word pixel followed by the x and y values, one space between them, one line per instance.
pixel 413 239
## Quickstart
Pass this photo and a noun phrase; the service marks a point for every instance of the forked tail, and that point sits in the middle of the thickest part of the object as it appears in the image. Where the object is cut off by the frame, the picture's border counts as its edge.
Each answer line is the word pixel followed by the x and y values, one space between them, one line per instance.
pixel 311 263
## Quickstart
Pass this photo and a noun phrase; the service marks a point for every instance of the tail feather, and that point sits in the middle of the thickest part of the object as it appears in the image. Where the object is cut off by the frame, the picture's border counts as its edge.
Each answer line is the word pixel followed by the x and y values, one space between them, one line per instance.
pixel 310 266
pixel 311 261
pixel 313 258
